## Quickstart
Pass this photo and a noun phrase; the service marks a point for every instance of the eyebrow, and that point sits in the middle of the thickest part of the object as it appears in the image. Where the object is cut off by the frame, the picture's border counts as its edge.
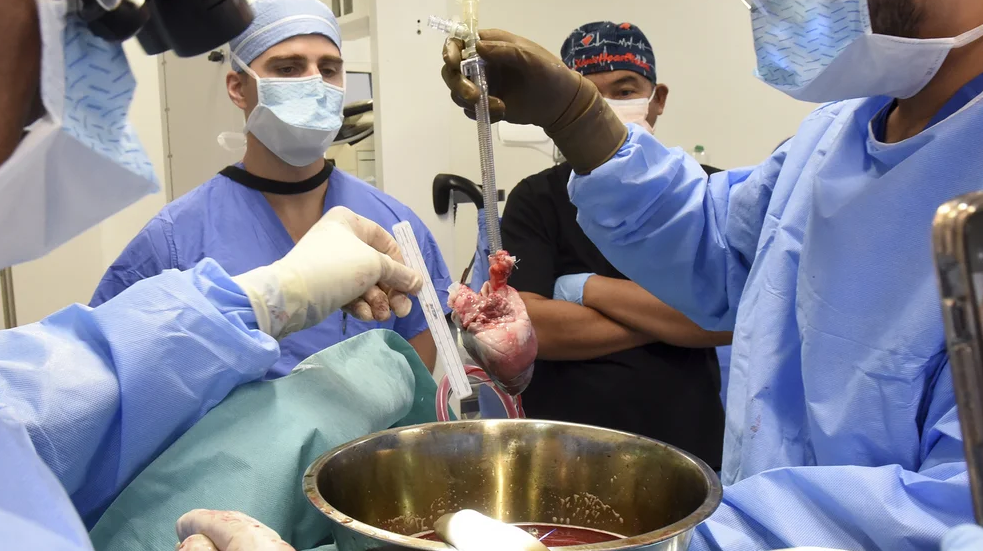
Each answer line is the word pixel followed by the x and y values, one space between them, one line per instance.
pixel 303 59
pixel 627 79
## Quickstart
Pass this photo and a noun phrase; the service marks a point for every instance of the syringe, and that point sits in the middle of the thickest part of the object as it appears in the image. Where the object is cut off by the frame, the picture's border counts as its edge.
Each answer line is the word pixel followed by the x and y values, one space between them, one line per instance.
pixel 473 67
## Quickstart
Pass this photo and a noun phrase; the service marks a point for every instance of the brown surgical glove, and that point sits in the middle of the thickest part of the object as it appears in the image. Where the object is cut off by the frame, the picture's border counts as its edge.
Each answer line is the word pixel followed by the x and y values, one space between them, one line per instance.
pixel 529 85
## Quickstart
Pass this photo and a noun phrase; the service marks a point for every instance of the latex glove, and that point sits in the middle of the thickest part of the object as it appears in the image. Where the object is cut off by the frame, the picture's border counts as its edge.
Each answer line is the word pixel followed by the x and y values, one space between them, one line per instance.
pixel 471 531
pixel 570 288
pixel 968 537
pixel 202 530
pixel 530 85
pixel 344 261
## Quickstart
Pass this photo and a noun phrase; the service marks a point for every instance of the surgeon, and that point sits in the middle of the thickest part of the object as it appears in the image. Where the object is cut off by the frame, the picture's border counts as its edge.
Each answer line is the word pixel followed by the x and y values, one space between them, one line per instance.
pixel 88 397
pixel 288 77
pixel 842 428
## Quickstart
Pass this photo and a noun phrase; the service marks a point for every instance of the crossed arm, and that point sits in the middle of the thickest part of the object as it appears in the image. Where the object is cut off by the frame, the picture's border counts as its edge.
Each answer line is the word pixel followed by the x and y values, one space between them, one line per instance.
pixel 617 315
pixel 629 304
pixel 571 332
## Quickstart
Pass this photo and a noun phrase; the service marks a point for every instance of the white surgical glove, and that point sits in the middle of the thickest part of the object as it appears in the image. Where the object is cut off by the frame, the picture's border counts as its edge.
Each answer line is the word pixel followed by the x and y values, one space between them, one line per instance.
pixel 344 261
pixel 202 530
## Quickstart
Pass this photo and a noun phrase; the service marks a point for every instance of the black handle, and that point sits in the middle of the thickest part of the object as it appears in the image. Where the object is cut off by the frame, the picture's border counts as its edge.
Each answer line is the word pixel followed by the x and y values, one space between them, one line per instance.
pixel 357 108
pixel 446 184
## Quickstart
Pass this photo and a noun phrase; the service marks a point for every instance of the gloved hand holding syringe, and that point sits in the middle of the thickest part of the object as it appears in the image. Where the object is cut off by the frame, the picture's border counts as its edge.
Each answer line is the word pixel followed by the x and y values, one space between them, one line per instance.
pixel 473 67
pixel 498 332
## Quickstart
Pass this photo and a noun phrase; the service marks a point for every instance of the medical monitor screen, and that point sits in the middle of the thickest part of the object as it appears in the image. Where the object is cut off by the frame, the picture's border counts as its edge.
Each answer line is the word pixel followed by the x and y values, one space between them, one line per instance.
pixel 358 87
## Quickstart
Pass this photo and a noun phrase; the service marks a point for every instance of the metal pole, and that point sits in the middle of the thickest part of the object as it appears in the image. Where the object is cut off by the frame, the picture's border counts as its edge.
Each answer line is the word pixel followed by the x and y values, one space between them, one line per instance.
pixel 7 294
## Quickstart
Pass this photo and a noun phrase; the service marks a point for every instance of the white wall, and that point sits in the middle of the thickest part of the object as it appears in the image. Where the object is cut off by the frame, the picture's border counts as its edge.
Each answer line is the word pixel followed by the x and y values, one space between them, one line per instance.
pixel 413 143
pixel 358 54
pixel 70 274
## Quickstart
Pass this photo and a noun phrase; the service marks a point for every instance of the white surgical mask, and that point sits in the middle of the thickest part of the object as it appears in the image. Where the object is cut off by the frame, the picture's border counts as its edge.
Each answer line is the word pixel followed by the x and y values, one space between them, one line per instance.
pixel 82 161
pixel 297 118
pixel 825 50
pixel 633 111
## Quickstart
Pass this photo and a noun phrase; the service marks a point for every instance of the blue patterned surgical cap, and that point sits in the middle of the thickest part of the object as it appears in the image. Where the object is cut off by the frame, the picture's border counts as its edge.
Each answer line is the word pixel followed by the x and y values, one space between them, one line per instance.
pixel 278 20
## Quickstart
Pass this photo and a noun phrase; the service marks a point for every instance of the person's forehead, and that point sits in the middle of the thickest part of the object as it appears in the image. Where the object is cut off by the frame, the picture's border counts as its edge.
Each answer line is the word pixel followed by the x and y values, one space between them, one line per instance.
pixel 311 46
pixel 610 78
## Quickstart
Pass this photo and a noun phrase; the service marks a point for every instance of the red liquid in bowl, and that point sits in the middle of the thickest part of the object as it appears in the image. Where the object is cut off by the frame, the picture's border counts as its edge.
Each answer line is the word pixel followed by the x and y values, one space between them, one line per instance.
pixel 553 535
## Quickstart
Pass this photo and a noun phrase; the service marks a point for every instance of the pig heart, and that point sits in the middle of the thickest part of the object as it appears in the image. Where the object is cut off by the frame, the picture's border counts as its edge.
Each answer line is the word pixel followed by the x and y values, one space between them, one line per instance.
pixel 498 332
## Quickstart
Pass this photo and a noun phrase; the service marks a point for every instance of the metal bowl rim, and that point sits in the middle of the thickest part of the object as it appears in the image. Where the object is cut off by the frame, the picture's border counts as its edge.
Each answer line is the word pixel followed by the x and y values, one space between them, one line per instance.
pixel 690 522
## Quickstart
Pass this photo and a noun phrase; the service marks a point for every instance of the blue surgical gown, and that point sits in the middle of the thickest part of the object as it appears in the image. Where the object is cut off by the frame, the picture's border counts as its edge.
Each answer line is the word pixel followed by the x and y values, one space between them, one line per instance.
pixel 237 227
pixel 841 419
pixel 89 397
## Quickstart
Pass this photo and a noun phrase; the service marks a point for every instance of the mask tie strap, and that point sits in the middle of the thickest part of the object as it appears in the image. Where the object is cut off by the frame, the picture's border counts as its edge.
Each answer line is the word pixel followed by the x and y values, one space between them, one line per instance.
pixel 245 67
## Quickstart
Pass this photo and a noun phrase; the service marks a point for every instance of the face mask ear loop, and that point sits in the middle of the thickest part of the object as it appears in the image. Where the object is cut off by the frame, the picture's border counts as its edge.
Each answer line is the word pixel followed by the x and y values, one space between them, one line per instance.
pixel 245 67
pixel 245 127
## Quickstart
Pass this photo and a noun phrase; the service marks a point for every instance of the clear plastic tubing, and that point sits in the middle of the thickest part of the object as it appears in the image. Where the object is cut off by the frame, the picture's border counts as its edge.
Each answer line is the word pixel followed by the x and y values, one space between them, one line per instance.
pixel 469 10
pixel 473 67
pixel 446 26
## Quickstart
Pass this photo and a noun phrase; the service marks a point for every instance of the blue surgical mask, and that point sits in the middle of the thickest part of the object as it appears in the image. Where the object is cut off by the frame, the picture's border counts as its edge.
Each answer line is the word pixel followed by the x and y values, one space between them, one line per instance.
pixel 825 50
pixel 296 118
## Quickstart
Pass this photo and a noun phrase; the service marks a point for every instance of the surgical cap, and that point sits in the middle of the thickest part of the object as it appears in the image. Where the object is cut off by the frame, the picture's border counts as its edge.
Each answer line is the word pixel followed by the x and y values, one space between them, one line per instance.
pixel 605 46
pixel 279 20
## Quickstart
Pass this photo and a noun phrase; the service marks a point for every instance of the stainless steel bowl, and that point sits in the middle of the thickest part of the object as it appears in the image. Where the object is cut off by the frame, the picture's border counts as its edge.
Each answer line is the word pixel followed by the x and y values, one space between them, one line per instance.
pixel 379 490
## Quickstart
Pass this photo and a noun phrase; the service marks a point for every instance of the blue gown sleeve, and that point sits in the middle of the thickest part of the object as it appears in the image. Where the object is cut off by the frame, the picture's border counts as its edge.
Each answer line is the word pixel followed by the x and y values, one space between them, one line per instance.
pixel 148 254
pixel 35 511
pixel 853 507
pixel 103 391
pixel 967 537
pixel 684 237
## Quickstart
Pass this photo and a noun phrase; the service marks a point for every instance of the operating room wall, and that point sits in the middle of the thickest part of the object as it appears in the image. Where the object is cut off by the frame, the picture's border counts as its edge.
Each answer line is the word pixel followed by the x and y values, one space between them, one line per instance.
pixel 704 53
pixel 71 273
pixel 413 142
